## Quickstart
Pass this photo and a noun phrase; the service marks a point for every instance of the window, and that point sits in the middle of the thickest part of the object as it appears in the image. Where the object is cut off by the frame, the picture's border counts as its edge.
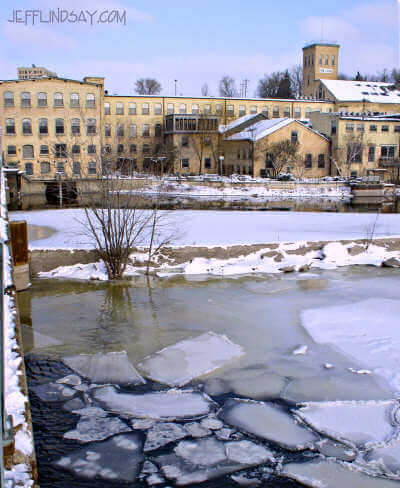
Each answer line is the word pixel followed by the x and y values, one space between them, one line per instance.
pixel 27 151
pixel 91 127
pixel 120 130
pixel 26 127
pixel 146 148
pixel 320 59
pixel 308 112
pixel 294 136
pixel 170 108
pixel 321 160
pixel 76 168
pixel 90 100
pixel 92 168
pixel 145 109
pixel 185 163
pixel 371 154
pixel 387 151
pixel 385 128
pixel 353 174
pixel 218 109
pixel 91 149
pixel 74 100
pixel 11 150
pixel 120 148
pixel 238 153
pixel 397 128
pixel 8 99
pixel 333 60
pixel 119 108
pixel 360 127
pixel 107 130
pixel 297 113
pixel 146 130
pixel 354 152
pixel 132 130
pixel 25 99
pixel 59 126
pixel 42 99
pixel 286 112
pixel 242 110
pixel 107 148
pixel 308 161
pixel 29 169
pixel 10 126
pixel 327 60
pixel 230 110
pixel 60 168
pixel 349 127
pixel 207 109
pixel 185 141
pixel 58 99
pixel 132 108
pixel 75 127
pixel 107 110
pixel 264 111
pixel 253 109
pixel 43 126
pixel 44 167
pixel 44 149
pixel 76 149
pixel 207 163
pixel 182 108
pixel 132 148
pixel 157 130
pixel 157 109
pixel 195 108
pixel 373 128
pixel 60 150
pixel 275 111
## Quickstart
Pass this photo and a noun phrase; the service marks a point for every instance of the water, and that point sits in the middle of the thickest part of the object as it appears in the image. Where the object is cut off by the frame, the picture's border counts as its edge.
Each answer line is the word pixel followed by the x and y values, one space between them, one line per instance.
pixel 261 314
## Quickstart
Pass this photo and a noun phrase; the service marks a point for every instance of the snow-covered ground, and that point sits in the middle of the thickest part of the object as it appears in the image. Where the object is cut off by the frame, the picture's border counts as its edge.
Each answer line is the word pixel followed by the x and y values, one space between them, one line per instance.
pixel 224 228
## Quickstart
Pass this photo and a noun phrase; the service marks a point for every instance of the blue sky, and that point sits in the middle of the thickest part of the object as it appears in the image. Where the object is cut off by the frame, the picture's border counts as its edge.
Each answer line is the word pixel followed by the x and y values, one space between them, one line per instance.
pixel 198 41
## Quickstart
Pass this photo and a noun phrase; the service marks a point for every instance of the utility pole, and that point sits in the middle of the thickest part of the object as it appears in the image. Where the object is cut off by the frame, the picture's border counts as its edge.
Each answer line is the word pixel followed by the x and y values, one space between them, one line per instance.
pixel 176 81
pixel 245 85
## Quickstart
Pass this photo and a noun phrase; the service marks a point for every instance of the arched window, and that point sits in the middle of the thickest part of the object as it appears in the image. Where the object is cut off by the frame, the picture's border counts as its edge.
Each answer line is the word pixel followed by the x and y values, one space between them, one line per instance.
pixel 132 130
pixel 107 108
pixel 90 100
pixel 157 109
pixel 42 99
pixel 286 112
pixel 120 130
pixel 157 130
pixel 297 113
pixel 59 126
pixel 170 108
pixel 75 127
pixel 74 100
pixel 25 99
pixel 145 109
pixel 275 111
pixel 10 126
pixel 27 151
pixel 182 108
pixel 119 108
pixel 58 99
pixel 26 127
pixel 91 126
pixel 195 108
pixel 107 130
pixel 43 126
pixel 8 99
pixel 132 108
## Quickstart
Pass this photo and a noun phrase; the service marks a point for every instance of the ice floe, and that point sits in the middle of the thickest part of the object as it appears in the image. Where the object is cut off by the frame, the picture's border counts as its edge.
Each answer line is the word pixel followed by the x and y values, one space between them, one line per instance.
pixel 162 434
pixel 268 421
pixel 178 364
pixel 386 457
pixel 53 392
pixel 112 367
pixel 169 405
pixel 91 429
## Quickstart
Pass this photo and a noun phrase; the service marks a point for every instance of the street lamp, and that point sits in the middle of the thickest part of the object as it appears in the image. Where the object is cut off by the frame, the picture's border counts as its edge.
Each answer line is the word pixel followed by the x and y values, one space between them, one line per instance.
pixel 221 163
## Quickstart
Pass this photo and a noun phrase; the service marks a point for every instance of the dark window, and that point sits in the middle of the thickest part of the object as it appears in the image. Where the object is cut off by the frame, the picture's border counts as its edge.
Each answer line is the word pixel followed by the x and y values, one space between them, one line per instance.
pixel 387 151
pixel 44 149
pixel 132 148
pixel 11 150
pixel 146 148
pixel 120 130
pixel 185 163
pixel 269 160
pixel 308 161
pixel 76 149
pixel 120 148
pixel 29 168
pixel 146 130
pixel 385 128
pixel 60 168
pixel 353 174
pixel 321 160
pixel 294 136
pixel 44 167
pixel 373 128
pixel 371 154
pixel 185 141
pixel 333 131
pixel 43 126
pixel 76 167
pixel 8 99
pixel 60 150
pixel 107 130
pixel 91 127
pixel 10 126
pixel 26 126
pixel 107 148
pixel 207 163
pixel 397 128
pixel 59 126
pixel 91 149
pixel 157 130
pixel 75 127
pixel 92 168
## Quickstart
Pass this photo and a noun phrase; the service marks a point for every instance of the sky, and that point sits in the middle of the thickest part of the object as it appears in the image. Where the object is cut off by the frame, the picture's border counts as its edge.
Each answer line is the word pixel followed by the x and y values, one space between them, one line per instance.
pixel 193 41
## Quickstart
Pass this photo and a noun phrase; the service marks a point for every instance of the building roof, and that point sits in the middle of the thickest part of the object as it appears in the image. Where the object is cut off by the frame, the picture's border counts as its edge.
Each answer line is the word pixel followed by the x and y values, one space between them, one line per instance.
pixel 237 122
pixel 357 91
pixel 260 129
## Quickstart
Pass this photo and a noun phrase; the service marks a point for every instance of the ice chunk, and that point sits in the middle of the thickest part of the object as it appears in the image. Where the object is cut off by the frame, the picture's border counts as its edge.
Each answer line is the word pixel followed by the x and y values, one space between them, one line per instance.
pixel 194 429
pixel 162 434
pixel 211 423
pixel 388 457
pixel 364 424
pixel 113 367
pixel 329 448
pixel 142 424
pixel 91 429
pixel 74 404
pixel 71 379
pixel 247 452
pixel 366 331
pixel 242 480
pixel 107 459
pixel 328 474
pixel 177 365
pixel 269 422
pixel 301 350
pixel 166 405
pixel 205 452
pixel 53 392
pixel 155 479
pixel 91 412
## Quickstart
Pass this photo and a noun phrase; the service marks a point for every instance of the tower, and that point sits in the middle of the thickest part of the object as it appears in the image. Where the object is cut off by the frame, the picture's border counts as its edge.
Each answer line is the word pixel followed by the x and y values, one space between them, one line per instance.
pixel 320 61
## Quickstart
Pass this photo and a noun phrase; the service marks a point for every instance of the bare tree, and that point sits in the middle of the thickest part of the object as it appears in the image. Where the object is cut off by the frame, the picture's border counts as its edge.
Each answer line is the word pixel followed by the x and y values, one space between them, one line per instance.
pixel 296 79
pixel 282 153
pixel 275 85
pixel 227 87
pixel 349 153
pixel 147 86
pixel 205 140
pixel 205 91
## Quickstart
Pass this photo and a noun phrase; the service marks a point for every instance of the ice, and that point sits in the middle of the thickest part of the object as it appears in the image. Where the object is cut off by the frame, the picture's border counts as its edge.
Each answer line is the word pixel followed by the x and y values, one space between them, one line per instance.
pixel 195 429
pixel 363 424
pixel 205 452
pixel 328 474
pixel 91 429
pixel 301 350
pixel 177 365
pixel 365 330
pixel 90 412
pixel 255 383
pixel 155 479
pixel 329 448
pixel 113 367
pixel 107 459
pixel 169 405
pixel 162 434
pixel 388 457
pixel 211 423
pixel 242 480
pixel 71 379
pixel 247 452
pixel 53 392
pixel 142 424
pixel 268 421
pixel 74 404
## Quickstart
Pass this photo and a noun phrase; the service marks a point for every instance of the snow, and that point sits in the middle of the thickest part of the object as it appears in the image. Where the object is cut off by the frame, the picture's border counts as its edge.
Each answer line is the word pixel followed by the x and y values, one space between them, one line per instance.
pixel 387 457
pixel 268 421
pixel 90 271
pixel 113 367
pixel 180 363
pixel 371 91
pixel 91 429
pixel 169 405
pixel 260 129
pixel 366 331
pixel 362 424
pixel 237 122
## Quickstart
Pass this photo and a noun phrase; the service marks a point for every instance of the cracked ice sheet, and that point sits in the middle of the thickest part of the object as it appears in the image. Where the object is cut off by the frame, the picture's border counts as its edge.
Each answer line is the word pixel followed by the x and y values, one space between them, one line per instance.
pixel 169 405
pixel 366 331
pixel 112 367
pixel 363 424
pixel 90 429
pixel 177 365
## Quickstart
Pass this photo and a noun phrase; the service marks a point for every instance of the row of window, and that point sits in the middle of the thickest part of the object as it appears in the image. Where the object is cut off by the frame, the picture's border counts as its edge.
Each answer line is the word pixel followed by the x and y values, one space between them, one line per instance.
pixel 355 151
pixel 308 160
pixel 41 99
pixel 45 168
pixel 372 127
pixel 309 60
pixel 132 130
pixel 59 126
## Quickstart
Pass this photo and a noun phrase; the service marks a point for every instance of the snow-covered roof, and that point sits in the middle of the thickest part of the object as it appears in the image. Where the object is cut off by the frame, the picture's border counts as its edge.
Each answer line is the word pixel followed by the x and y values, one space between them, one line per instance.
pixel 370 91
pixel 260 129
pixel 237 122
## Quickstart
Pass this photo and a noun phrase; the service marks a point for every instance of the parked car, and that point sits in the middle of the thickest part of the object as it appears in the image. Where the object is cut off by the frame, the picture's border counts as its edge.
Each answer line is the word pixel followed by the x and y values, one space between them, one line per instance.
pixel 285 177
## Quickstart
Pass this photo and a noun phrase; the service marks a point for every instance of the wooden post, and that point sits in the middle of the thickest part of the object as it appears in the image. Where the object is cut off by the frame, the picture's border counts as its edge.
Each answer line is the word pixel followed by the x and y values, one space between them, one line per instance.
pixel 19 242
